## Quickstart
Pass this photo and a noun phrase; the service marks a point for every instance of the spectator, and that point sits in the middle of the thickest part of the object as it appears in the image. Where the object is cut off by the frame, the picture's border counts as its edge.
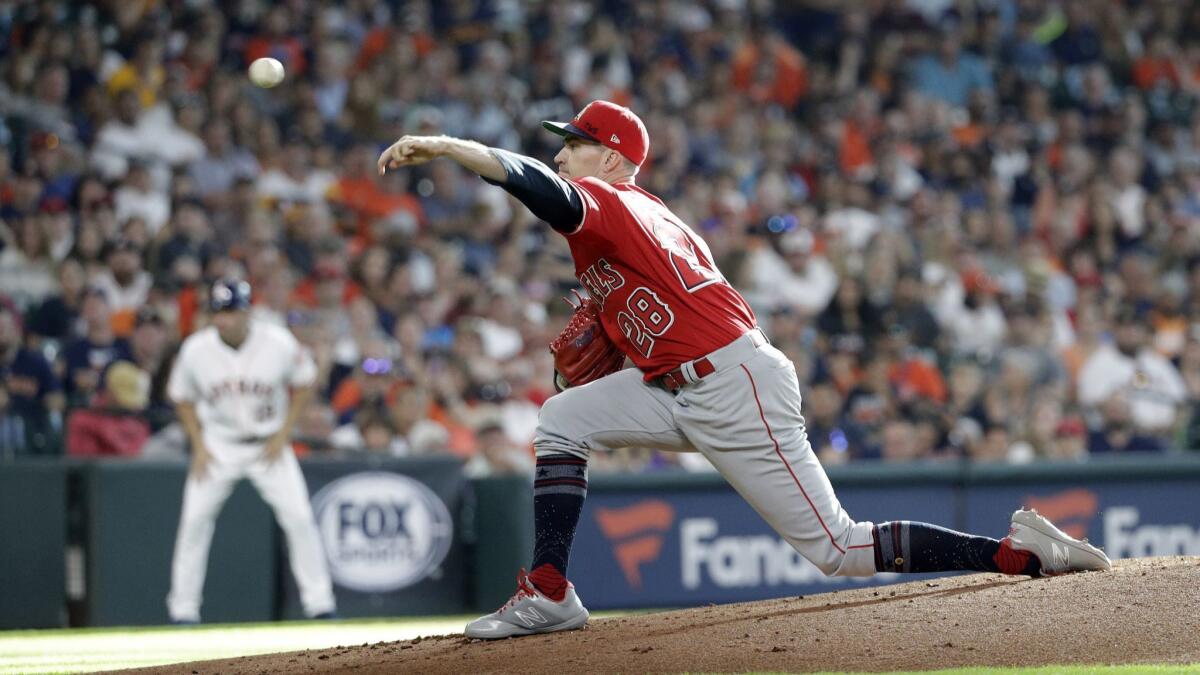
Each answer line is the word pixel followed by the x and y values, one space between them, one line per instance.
pixel 823 423
pixel 125 284
pixel 138 198
pixel 796 278
pixel 1118 431
pixel 113 425
pixel 951 75
pixel 85 358
pixel 30 394
pixel 1148 388
pixel 314 429
pixel 373 379
pixel 58 316
pixel 149 346
pixel 370 433
pixel 222 164
pixel 295 180
pixel 144 74
pixel 899 442
pixel 410 414
pixel 908 311
pixel 26 270
pixel 498 456
pixel 125 137
pixel 977 326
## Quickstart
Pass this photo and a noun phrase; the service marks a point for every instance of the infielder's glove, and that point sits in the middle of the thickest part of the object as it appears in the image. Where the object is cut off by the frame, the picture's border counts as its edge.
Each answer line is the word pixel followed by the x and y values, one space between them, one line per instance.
pixel 583 352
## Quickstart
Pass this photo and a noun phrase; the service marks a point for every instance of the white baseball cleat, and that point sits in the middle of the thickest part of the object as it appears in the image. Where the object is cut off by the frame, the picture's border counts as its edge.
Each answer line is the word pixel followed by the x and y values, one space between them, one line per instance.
pixel 1058 551
pixel 529 612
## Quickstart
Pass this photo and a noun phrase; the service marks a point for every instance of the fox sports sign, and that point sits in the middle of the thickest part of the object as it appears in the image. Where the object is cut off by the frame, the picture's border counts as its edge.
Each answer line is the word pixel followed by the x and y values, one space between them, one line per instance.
pixel 381 531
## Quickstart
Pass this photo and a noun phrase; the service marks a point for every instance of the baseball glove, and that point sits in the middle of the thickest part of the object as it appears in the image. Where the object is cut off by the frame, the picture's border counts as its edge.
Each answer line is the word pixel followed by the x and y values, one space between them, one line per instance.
pixel 583 352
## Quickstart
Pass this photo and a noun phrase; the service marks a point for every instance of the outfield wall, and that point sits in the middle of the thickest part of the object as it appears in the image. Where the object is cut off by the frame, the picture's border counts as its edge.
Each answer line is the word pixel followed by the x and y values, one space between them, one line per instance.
pixel 89 543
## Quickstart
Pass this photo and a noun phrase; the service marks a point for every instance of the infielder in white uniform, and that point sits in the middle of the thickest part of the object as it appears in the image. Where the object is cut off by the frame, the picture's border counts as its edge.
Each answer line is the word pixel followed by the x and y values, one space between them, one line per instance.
pixel 238 387
pixel 706 380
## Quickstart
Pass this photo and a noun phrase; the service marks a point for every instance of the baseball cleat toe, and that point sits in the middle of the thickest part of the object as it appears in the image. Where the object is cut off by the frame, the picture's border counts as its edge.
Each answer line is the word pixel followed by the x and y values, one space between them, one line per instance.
pixel 1058 552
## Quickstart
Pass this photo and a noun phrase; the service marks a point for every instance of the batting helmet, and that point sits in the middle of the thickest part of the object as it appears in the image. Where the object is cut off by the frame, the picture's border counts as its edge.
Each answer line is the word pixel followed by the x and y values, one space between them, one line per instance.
pixel 229 294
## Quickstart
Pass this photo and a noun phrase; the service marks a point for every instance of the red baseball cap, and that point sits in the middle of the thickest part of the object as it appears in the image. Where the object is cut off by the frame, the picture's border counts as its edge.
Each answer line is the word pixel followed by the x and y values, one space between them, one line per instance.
pixel 611 125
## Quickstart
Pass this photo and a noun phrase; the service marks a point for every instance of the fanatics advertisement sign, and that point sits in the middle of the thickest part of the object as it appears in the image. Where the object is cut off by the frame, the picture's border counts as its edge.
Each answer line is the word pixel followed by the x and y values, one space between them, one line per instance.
pixel 679 548
pixel 666 549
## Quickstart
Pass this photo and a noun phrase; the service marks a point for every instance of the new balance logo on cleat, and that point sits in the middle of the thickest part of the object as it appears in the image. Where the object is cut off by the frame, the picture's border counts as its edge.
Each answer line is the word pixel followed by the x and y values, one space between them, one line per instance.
pixel 530 616
pixel 1062 556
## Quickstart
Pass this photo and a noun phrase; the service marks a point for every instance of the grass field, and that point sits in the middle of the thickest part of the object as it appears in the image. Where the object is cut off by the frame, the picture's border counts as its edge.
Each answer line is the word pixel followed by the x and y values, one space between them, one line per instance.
pixel 88 650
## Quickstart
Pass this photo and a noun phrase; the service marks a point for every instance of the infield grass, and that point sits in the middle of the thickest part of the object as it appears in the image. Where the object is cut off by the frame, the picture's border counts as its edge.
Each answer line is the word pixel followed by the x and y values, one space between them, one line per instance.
pixel 81 650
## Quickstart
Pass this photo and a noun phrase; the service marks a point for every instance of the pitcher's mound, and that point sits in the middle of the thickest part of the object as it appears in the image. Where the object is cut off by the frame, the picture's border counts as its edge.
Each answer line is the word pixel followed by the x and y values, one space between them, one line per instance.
pixel 1144 611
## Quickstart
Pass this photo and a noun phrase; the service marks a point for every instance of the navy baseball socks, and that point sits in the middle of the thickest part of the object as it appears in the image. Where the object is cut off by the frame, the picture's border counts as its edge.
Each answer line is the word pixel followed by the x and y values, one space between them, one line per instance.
pixel 905 546
pixel 559 488
pixel 545 602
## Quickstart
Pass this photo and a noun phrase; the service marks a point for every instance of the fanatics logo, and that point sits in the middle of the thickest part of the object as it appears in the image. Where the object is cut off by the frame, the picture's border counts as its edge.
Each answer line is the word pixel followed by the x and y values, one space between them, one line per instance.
pixel 636 532
pixel 614 139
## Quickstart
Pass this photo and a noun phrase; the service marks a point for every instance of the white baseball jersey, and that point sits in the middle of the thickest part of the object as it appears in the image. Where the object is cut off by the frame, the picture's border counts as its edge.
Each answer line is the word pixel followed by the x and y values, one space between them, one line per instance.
pixel 240 393
pixel 241 398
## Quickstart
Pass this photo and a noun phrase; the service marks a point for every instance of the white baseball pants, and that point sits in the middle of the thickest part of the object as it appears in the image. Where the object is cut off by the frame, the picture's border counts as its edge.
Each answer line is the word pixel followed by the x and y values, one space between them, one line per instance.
pixel 745 418
pixel 281 485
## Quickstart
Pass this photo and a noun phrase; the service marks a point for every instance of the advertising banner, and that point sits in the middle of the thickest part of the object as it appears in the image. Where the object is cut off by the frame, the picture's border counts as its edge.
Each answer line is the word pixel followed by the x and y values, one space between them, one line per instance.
pixel 391 536
pixel 663 548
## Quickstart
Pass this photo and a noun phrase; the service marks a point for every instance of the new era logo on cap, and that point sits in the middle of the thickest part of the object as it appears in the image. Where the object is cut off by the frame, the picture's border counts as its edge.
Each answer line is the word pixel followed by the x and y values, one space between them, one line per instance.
pixel 610 125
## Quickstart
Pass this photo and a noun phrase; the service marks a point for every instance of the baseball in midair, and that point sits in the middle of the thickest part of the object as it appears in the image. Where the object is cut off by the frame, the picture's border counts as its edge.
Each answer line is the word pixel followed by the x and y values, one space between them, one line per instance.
pixel 266 72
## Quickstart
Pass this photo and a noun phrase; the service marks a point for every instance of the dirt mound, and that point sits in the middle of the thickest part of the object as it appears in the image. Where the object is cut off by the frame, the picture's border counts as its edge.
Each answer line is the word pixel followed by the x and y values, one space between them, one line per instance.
pixel 1144 611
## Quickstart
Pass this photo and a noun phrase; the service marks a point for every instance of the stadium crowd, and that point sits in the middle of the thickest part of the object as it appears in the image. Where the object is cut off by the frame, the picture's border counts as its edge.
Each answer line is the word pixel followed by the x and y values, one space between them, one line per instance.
pixel 974 225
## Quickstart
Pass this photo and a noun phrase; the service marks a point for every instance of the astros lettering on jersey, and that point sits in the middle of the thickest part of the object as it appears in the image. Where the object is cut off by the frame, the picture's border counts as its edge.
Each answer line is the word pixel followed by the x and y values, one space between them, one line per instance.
pixel 241 393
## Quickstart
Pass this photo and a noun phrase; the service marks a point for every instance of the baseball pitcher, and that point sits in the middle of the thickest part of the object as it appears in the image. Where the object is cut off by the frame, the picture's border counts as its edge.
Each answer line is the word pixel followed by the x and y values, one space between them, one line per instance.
pixel 238 387
pixel 706 380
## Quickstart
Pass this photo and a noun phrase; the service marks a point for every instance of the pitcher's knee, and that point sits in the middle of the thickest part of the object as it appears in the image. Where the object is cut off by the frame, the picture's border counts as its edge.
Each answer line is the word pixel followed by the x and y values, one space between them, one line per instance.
pixel 560 427
pixel 829 563
pixel 846 551
pixel 854 555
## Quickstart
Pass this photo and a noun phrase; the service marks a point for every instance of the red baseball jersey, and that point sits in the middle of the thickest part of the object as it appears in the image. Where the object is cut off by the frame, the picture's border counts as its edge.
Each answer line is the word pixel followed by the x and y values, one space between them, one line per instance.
pixel 664 300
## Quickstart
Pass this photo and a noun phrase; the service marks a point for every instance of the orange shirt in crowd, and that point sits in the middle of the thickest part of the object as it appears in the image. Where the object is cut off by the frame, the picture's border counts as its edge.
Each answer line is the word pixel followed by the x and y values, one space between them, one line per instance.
pixel 462 441
pixel 790 82
pixel 855 151
pixel 1148 71
pixel 348 395
pixel 364 196
pixel 306 292
pixel 188 302
pixel 918 377
pixel 380 38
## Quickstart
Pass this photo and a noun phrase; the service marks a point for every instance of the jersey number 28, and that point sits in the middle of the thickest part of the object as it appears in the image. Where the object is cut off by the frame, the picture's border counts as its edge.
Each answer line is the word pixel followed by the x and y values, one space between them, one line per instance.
pixel 648 317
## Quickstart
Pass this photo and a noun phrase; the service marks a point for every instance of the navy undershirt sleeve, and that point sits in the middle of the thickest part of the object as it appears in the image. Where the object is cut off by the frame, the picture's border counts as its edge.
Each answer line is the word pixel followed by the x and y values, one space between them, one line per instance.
pixel 547 196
